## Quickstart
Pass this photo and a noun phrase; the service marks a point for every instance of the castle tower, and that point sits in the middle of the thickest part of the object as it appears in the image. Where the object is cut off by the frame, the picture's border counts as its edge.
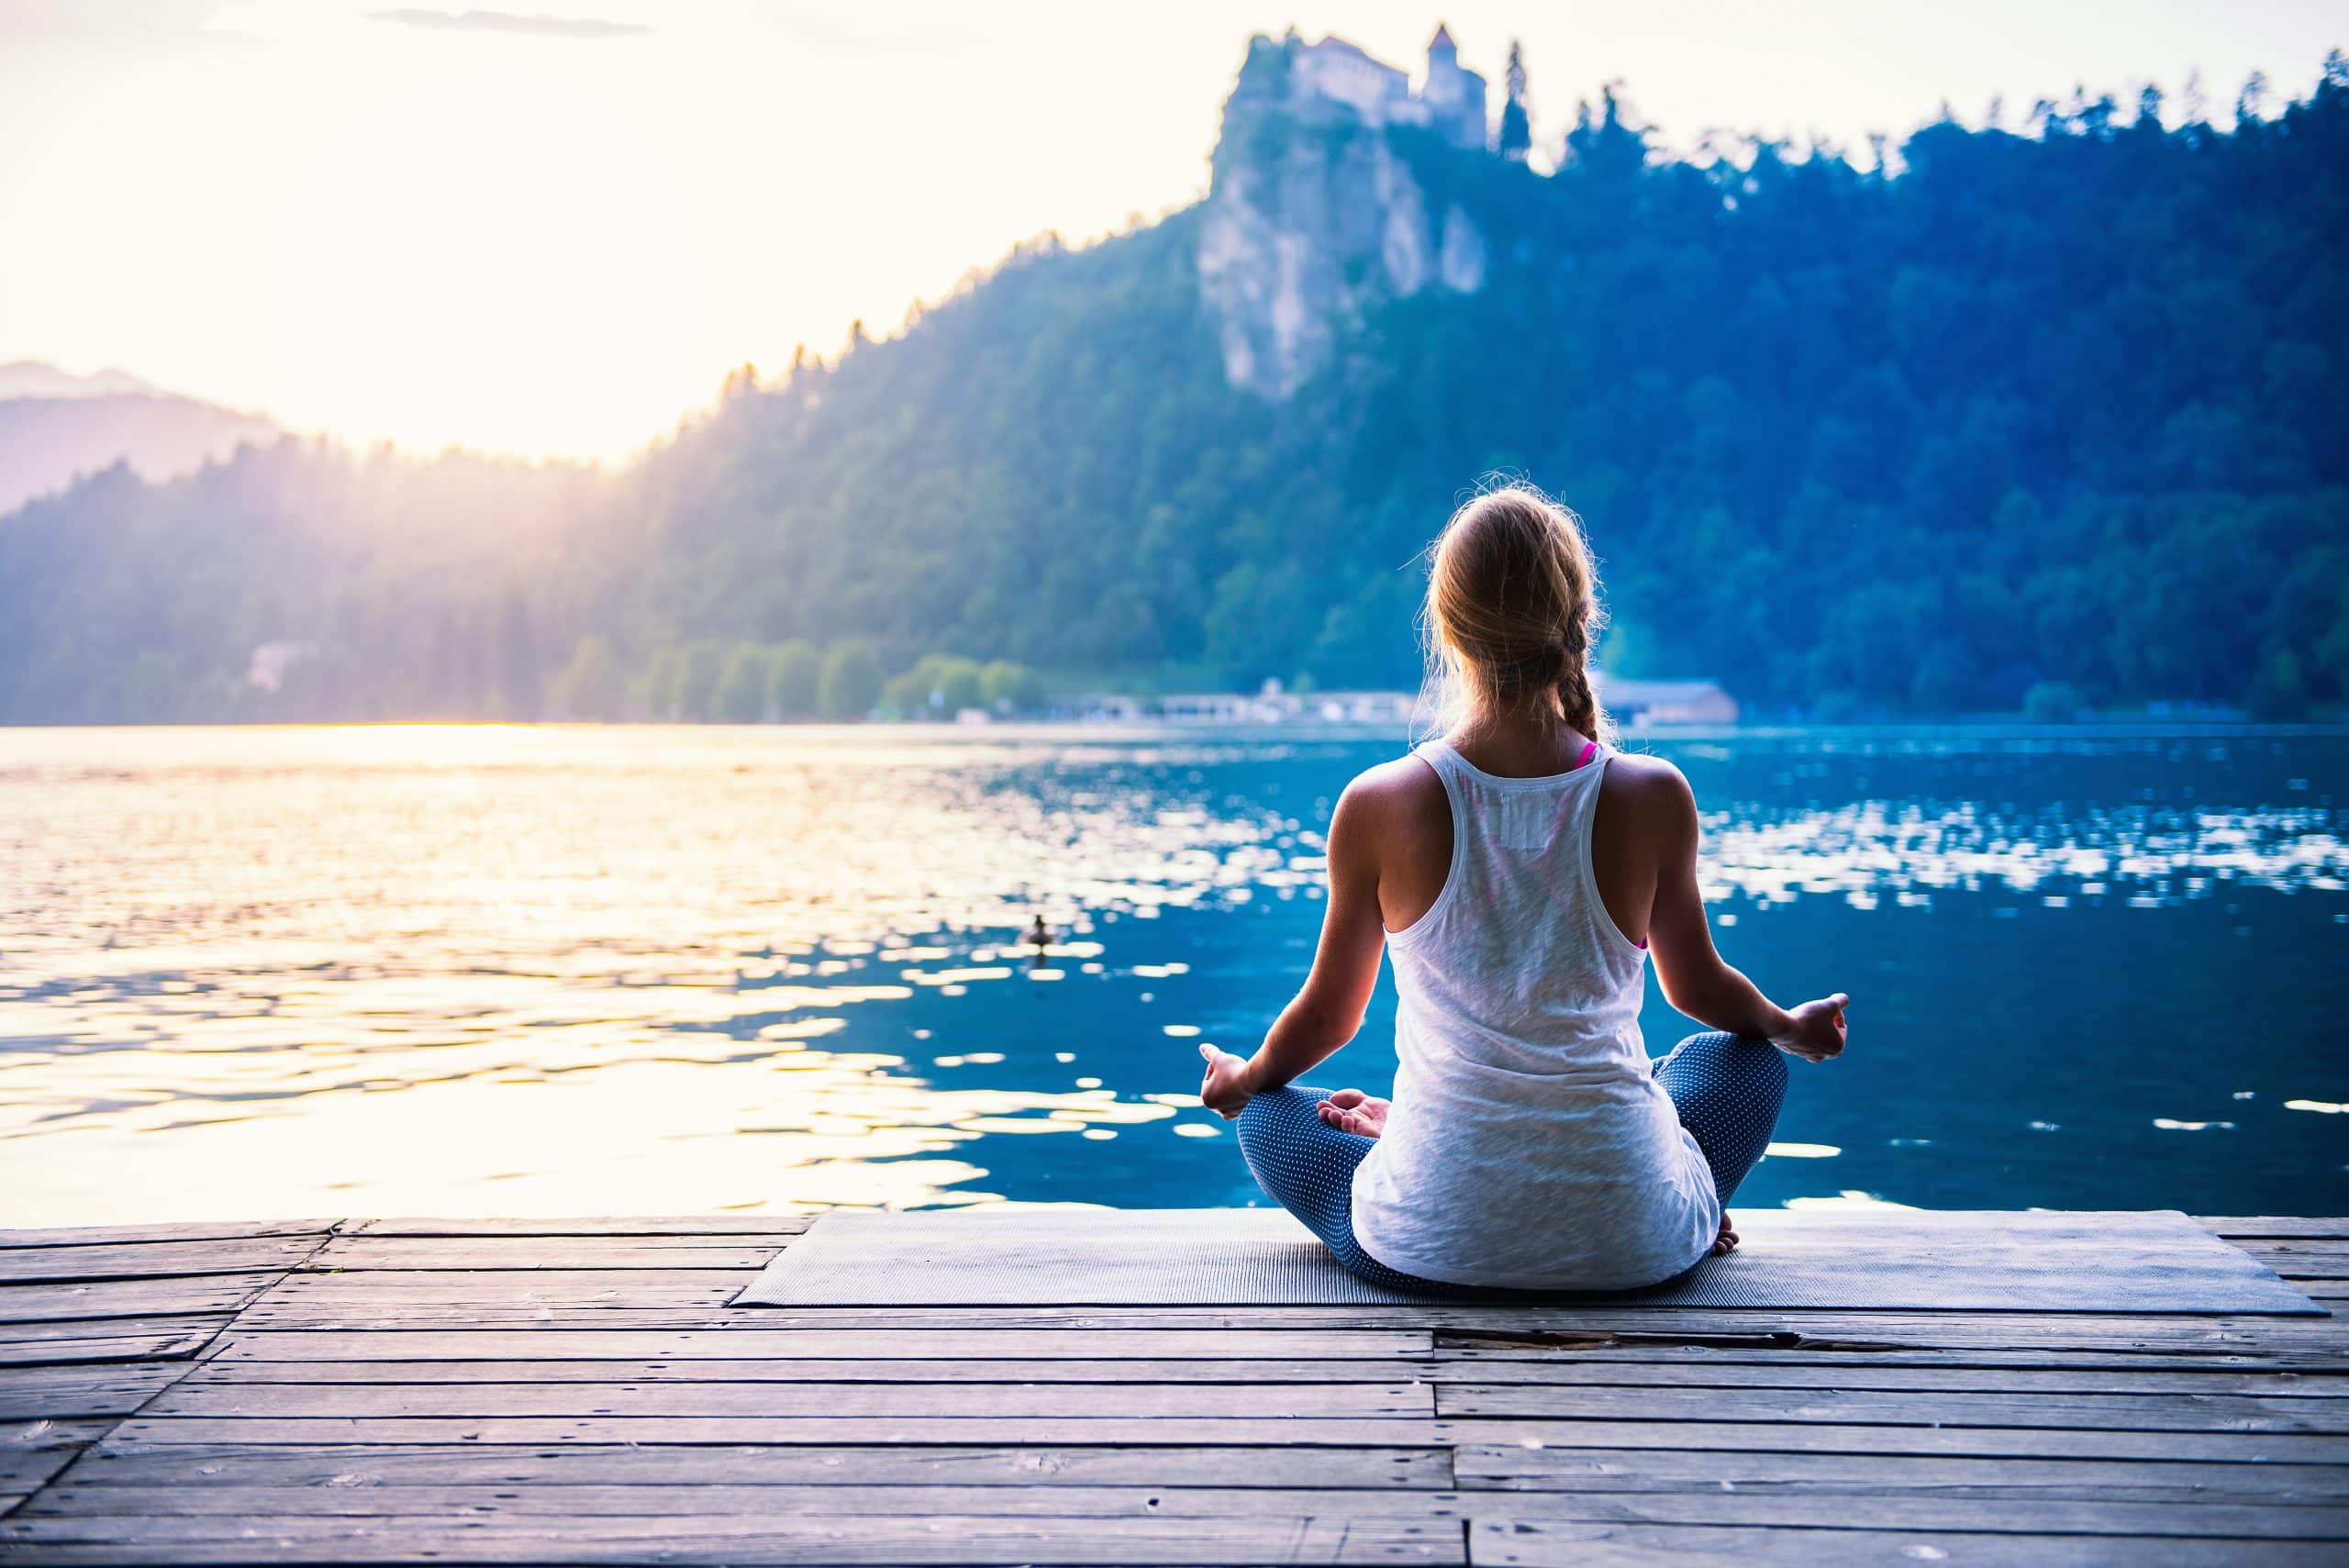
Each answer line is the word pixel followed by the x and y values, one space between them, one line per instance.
pixel 1455 97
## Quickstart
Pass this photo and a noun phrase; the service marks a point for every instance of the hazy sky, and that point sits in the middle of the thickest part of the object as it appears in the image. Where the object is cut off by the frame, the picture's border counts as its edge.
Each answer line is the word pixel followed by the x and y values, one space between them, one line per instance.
pixel 552 228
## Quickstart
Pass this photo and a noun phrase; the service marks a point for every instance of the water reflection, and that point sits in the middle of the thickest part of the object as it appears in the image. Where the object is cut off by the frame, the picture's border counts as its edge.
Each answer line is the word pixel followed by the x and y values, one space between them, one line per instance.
pixel 480 970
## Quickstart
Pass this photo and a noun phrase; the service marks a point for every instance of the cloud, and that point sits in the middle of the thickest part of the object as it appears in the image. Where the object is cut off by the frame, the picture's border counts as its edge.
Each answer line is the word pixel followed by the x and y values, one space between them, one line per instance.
pixel 509 22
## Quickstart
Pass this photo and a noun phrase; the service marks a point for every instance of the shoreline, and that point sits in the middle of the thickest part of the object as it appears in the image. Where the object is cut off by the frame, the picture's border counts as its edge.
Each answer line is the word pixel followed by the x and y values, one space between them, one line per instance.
pixel 1970 729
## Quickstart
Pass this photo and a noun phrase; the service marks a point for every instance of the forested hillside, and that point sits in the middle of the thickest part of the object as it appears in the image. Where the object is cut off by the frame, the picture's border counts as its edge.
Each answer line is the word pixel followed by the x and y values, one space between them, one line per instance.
pixel 2055 412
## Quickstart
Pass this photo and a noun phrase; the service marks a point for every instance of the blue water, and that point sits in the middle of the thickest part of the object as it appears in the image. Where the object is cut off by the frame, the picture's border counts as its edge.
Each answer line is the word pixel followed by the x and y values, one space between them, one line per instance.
pixel 573 971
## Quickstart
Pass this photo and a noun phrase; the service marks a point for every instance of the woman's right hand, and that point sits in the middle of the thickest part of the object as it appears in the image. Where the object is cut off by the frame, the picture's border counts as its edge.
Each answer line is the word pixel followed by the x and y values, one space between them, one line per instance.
pixel 1228 1086
pixel 1819 1029
pixel 1351 1110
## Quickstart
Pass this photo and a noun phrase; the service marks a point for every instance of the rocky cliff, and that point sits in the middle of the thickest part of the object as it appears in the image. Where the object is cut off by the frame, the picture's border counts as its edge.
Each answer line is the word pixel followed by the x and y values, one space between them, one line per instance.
pixel 1317 211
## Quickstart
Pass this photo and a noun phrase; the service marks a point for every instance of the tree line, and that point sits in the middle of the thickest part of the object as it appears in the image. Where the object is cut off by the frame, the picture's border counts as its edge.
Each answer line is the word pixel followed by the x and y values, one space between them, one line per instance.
pixel 753 682
pixel 2035 415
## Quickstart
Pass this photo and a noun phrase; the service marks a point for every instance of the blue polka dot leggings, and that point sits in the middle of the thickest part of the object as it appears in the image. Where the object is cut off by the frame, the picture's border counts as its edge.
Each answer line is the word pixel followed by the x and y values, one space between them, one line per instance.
pixel 1727 1089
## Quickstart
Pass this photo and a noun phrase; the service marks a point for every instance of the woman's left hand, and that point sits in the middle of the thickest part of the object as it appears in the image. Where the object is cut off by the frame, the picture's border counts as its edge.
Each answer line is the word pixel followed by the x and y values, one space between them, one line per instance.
pixel 1228 1085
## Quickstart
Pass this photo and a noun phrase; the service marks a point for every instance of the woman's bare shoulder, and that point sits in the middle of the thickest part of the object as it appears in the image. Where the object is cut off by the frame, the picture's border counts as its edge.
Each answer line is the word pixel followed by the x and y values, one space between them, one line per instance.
pixel 1646 771
pixel 1647 788
pixel 1394 795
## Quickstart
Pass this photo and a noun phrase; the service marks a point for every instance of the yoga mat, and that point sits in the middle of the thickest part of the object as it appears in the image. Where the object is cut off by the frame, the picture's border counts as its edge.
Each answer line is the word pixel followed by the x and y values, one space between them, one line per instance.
pixel 1868 1260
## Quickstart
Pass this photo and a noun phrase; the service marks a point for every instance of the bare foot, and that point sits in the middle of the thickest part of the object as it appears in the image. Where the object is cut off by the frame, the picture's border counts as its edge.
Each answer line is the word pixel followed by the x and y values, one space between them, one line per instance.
pixel 1351 1110
pixel 1726 1242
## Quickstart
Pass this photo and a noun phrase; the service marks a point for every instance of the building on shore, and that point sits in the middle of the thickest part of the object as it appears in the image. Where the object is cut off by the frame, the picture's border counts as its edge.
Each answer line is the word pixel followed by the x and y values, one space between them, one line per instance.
pixel 1634 703
pixel 1638 703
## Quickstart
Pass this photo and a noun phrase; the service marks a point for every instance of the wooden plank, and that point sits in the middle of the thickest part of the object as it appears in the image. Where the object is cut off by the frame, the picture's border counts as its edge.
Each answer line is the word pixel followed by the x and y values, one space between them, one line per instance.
pixel 2238 1226
pixel 36 1448
pixel 106 1338
pixel 543 1304
pixel 540 1254
pixel 722 1225
pixel 1823 1328
pixel 1181 1431
pixel 2134 1413
pixel 33 1333
pixel 998 1368
pixel 112 1388
pixel 58 1352
pixel 423 1326
pixel 1815 1374
pixel 1984 1442
pixel 1560 1543
pixel 195 1230
pixel 704 1499
pixel 1914 1511
pixel 1847 1511
pixel 640 1287
pixel 984 1401
pixel 122 1462
pixel 394 1294
pixel 154 1259
pixel 847 1343
pixel 128 1298
pixel 24 1470
pixel 1456 1351
pixel 1768 1472
pixel 2033 1331
pixel 304 1317
pixel 843 1539
pixel 2279 1254
pixel 698 1371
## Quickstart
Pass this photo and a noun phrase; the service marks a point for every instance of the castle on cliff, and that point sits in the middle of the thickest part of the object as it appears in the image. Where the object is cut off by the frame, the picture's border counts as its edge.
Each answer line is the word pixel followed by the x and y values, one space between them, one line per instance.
pixel 1332 73
pixel 1301 235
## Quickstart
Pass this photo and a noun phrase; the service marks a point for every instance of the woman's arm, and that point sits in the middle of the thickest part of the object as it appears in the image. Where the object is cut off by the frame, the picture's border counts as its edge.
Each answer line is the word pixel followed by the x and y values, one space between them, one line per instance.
pixel 1328 1009
pixel 1695 979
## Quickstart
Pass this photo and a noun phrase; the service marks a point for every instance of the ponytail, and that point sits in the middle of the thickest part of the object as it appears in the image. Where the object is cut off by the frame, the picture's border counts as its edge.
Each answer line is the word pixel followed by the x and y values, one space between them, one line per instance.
pixel 1512 610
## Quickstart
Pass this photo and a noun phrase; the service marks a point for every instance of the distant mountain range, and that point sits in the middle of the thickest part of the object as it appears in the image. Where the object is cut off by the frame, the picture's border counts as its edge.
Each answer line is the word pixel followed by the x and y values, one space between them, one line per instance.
pixel 55 426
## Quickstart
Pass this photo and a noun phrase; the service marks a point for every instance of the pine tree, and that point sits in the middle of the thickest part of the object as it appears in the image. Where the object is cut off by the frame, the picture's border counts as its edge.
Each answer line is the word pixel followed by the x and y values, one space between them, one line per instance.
pixel 1516 122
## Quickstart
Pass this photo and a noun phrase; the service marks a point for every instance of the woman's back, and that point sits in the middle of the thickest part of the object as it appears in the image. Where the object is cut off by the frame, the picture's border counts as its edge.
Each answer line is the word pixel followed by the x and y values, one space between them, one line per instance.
pixel 1528 1143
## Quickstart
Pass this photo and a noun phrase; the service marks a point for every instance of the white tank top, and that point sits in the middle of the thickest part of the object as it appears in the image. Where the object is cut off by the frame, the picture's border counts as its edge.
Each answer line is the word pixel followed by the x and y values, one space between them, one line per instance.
pixel 1529 1144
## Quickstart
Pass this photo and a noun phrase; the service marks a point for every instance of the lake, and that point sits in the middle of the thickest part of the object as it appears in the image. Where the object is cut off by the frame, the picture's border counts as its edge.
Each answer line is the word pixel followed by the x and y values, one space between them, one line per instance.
pixel 572 971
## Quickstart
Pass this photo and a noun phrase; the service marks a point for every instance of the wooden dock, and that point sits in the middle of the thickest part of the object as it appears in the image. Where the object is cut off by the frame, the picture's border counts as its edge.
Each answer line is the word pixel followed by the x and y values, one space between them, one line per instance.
pixel 552 1392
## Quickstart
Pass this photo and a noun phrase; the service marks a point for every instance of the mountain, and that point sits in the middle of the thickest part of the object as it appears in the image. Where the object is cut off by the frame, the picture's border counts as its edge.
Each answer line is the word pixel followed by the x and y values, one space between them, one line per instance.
pixel 56 427
pixel 30 378
pixel 2007 418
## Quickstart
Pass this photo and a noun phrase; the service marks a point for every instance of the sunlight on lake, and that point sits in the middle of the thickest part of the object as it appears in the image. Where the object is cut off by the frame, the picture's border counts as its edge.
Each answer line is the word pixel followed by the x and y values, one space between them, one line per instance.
pixel 484 970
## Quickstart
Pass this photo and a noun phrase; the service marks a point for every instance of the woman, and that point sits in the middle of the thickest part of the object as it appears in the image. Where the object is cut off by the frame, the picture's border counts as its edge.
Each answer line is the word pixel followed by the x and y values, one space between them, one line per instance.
pixel 1520 871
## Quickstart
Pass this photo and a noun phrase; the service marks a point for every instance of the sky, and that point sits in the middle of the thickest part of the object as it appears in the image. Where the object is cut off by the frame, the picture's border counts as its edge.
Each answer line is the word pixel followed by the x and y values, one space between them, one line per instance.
pixel 553 229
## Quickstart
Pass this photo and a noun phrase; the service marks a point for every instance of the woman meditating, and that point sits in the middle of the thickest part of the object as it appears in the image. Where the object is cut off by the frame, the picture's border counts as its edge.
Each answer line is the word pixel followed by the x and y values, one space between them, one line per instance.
pixel 1520 870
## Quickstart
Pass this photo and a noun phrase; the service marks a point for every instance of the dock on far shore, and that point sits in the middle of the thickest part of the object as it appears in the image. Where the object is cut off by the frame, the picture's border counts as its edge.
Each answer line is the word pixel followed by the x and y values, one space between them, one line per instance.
pixel 542 1391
